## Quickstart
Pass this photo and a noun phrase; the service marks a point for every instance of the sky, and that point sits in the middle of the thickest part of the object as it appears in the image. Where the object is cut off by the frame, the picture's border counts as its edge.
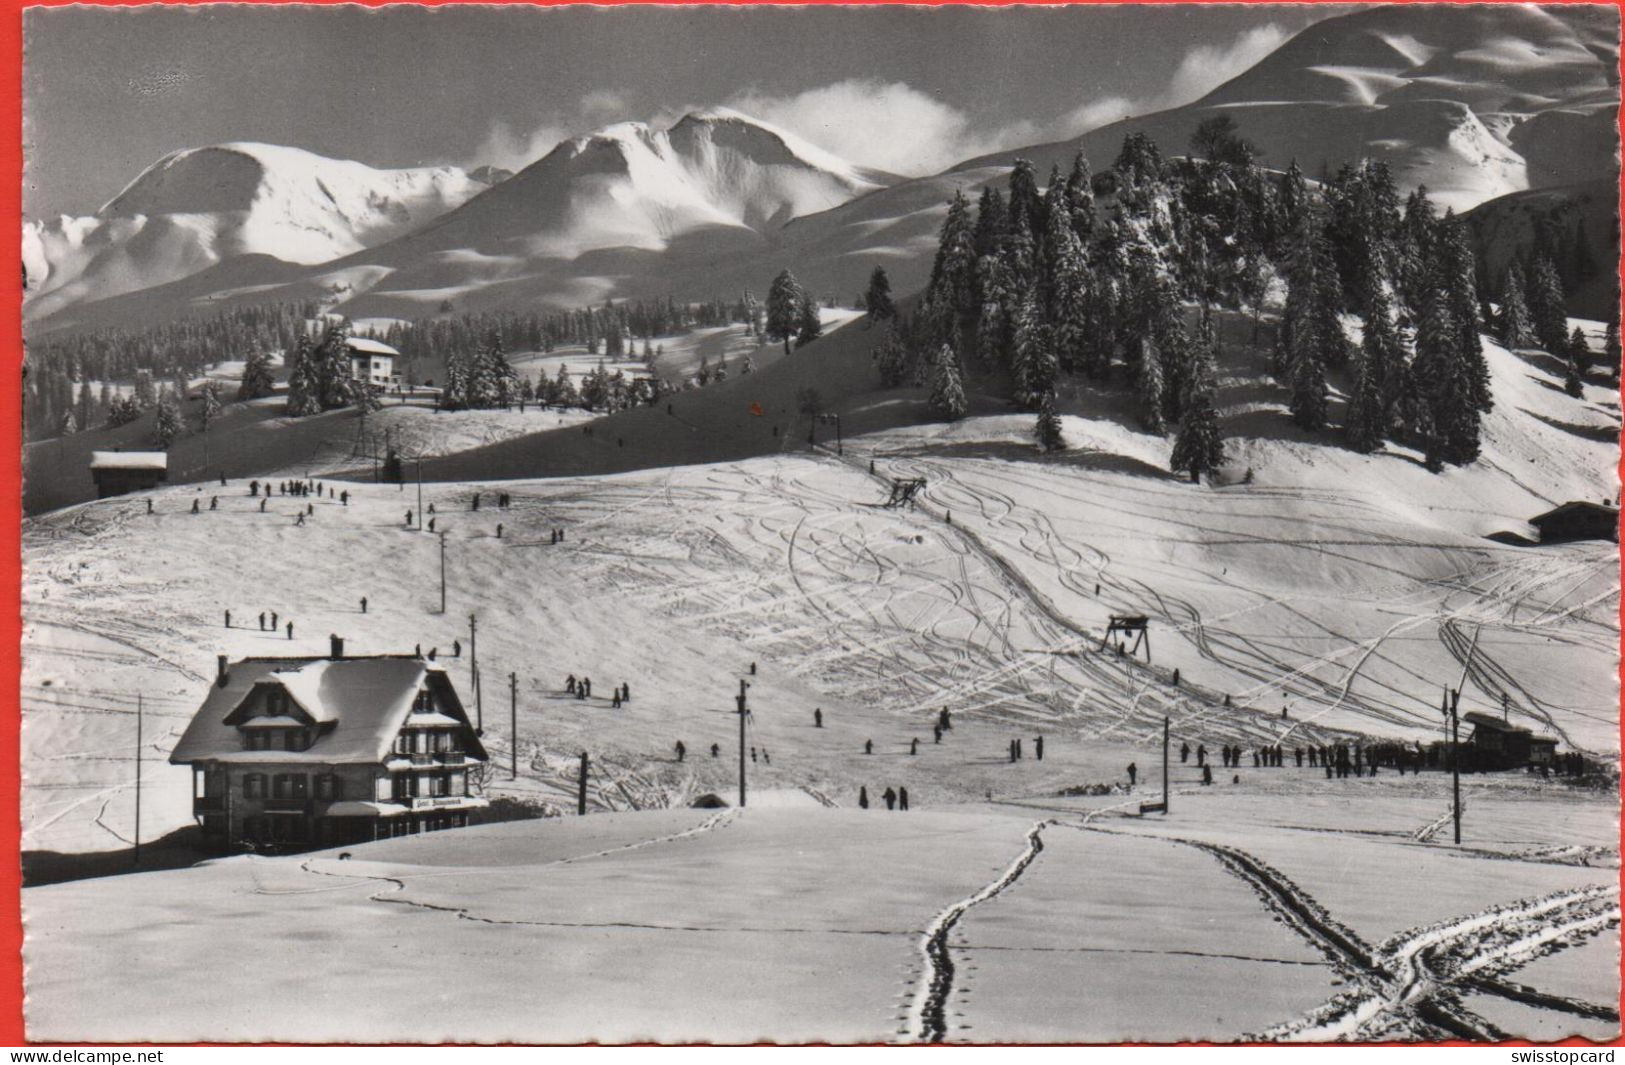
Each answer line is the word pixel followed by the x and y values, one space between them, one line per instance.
pixel 109 91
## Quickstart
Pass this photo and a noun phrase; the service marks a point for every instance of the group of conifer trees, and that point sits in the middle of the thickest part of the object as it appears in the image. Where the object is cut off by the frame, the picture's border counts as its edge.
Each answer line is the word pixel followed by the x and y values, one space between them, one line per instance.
pixel 1119 275
pixel 78 380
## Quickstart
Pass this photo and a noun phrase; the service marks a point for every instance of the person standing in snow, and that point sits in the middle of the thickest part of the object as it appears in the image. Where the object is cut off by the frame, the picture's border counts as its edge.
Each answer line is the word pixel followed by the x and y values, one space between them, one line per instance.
pixel 902 798
pixel 262 621
pixel 1184 753
pixel 1201 754
pixel 1133 774
pixel 868 746
pixel 863 797
pixel 290 630
pixel 1038 747
pixel 891 798
pixel 681 750
pixel 818 717
pixel 913 743
pixel 716 752
pixel 363 604
pixel 1207 775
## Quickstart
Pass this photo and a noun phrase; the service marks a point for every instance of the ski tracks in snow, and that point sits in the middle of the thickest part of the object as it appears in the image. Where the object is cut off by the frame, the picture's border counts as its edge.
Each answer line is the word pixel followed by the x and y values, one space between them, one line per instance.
pixel 1409 985
pixel 927 1014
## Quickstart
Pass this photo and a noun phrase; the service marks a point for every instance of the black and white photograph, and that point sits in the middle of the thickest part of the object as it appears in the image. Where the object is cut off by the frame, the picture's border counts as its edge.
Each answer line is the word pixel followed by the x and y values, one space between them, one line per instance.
pixel 1069 524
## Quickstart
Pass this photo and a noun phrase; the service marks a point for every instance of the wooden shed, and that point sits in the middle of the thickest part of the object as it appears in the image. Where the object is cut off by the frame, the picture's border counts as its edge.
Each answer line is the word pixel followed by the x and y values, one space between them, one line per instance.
pixel 1578 520
pixel 118 473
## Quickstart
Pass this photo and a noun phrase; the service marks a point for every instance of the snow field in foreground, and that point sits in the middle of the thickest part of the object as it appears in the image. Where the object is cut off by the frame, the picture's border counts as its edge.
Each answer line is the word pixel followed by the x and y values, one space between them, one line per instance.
pixel 797 925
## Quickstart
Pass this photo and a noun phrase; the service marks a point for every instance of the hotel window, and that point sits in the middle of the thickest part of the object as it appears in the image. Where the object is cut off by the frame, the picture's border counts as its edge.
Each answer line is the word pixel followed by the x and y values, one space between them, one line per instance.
pixel 254 786
pixel 290 786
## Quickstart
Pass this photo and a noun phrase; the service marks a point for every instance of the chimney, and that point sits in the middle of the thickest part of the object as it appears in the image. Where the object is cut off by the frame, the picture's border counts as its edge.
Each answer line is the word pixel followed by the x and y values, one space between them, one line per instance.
pixel 337 647
pixel 222 675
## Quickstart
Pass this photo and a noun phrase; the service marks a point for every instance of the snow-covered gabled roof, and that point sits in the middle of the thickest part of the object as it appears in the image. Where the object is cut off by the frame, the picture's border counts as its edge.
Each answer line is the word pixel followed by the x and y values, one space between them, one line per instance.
pixel 129 460
pixel 1490 724
pixel 363 702
pixel 370 346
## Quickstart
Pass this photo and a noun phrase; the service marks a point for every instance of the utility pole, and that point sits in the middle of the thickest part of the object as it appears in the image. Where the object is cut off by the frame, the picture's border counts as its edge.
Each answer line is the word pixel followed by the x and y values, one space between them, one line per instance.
pixel 1455 762
pixel 513 724
pixel 138 722
pixel 474 673
pixel 420 519
pixel 1455 734
pixel 581 788
pixel 442 569
pixel 740 699
pixel 1165 767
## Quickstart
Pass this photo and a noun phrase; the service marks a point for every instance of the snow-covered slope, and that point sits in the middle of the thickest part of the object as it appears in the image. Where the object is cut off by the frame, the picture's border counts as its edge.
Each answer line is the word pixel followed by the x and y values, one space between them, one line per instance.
pixel 1472 101
pixel 198 207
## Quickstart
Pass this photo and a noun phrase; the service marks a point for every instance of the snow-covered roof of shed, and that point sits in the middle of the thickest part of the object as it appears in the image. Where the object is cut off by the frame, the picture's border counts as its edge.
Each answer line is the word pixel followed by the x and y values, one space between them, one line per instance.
pixel 129 460
pixel 373 347
pixel 366 700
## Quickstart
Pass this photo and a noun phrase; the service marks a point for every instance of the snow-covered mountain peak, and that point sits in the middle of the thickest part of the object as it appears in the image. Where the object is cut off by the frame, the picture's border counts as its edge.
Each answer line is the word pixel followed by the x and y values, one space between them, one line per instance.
pixel 199 206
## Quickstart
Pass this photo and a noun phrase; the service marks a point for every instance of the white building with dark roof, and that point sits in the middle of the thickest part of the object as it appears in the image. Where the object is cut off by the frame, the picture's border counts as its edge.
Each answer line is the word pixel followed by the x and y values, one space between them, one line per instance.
pixel 373 361
pixel 322 751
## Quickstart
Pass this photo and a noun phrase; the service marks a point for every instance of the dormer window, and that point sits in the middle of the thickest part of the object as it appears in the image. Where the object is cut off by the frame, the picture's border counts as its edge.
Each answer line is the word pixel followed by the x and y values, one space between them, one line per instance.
pixel 424 703
pixel 276 702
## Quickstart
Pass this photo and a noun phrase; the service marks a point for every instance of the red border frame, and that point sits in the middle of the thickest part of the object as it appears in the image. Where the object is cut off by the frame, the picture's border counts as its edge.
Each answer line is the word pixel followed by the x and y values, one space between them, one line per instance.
pixel 11 928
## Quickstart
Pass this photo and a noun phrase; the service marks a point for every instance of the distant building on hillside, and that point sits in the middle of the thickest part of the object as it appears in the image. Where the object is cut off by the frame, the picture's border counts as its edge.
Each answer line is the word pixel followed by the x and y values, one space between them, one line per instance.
pixel 307 752
pixel 118 473
pixel 373 361
pixel 1578 521
pixel 1499 745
